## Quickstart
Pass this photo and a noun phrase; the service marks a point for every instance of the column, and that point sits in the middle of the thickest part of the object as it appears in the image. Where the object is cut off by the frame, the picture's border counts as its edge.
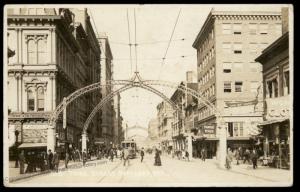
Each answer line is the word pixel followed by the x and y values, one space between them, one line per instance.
pixel 222 145
pixel 190 145
pixel 83 140
pixel 51 138
pixel 21 92
pixel 18 95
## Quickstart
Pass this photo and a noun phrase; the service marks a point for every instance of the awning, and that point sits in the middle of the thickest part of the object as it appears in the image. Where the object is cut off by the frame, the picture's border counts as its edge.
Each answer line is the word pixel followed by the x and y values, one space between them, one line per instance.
pixel 238 138
pixel 269 122
pixel 32 145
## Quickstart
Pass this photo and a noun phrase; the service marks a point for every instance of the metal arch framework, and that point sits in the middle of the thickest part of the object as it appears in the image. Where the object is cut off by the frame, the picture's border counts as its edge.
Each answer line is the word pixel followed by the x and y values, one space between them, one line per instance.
pixel 136 81
pixel 124 88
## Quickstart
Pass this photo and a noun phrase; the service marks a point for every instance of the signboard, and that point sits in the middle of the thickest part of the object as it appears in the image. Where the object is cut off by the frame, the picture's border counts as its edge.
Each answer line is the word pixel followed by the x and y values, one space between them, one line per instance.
pixel 278 108
pixel 209 129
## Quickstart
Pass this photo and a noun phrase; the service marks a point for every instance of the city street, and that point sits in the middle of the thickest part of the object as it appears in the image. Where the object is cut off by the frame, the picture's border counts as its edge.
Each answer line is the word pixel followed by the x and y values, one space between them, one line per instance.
pixel 173 172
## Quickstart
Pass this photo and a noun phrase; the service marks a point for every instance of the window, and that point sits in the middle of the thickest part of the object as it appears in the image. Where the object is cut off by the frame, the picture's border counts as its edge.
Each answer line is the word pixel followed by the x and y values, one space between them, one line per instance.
pixel 253 48
pixel 254 86
pixel 31 52
pixel 238 66
pixel 226 47
pixel 263 28
pixel 230 129
pixel 238 129
pixel 226 67
pixel 253 28
pixel 237 28
pixel 42 48
pixel 40 99
pixel 237 47
pixel 238 86
pixel 272 86
pixel 226 28
pixel 227 87
pixel 286 82
pixel 30 100
pixel 278 29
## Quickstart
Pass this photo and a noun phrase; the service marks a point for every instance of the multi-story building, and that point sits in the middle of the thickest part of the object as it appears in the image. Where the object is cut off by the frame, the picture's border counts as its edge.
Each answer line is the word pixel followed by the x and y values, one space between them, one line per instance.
pixel 153 129
pixel 165 119
pixel 183 124
pixel 55 55
pixel 228 74
pixel 117 120
pixel 107 112
pixel 277 105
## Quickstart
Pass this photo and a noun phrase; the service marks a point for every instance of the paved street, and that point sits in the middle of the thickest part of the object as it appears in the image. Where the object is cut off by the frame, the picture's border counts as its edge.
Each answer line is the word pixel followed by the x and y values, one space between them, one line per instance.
pixel 173 172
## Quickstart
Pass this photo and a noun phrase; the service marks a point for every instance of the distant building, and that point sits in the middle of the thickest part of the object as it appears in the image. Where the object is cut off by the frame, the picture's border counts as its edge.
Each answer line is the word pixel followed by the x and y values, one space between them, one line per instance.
pixel 277 98
pixel 228 75
pixel 153 129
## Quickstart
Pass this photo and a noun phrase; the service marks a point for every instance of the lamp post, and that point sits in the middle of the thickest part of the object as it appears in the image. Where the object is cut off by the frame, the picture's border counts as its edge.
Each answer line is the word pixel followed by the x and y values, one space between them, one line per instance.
pixel 16 151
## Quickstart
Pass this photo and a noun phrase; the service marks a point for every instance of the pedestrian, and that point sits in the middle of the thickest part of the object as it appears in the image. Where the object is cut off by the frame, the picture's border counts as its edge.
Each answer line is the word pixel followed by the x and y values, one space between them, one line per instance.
pixel 254 157
pixel 84 157
pixel 22 161
pixel 247 156
pixel 187 155
pixel 67 159
pixel 126 156
pixel 157 160
pixel 237 155
pixel 50 158
pixel 55 161
pixel 34 161
pixel 228 159
pixel 142 154
pixel 111 154
pixel 203 154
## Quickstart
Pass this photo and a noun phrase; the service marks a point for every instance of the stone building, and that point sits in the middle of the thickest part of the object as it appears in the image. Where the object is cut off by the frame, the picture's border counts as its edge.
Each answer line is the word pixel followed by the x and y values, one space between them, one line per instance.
pixel 107 112
pixel 56 54
pixel 277 98
pixel 228 74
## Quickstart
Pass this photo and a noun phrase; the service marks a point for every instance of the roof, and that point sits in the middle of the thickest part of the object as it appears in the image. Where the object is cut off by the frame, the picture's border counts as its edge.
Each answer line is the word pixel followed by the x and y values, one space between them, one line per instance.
pixel 280 44
pixel 211 16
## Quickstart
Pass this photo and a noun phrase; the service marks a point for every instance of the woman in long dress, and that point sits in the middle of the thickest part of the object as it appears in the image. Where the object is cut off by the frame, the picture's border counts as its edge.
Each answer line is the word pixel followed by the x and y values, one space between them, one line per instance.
pixel 157 161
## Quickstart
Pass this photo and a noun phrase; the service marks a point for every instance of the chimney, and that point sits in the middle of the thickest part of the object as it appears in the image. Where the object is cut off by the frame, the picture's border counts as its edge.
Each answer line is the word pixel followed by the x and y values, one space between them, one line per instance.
pixel 189 76
pixel 285 19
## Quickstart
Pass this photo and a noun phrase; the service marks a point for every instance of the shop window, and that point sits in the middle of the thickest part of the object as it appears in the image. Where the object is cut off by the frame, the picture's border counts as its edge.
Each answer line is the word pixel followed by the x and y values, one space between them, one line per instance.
pixel 238 129
pixel 30 99
pixel 227 87
pixel 238 86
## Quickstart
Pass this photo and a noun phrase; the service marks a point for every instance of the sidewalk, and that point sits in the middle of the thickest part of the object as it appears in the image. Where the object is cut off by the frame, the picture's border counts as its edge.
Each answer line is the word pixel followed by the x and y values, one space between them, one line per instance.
pixel 262 172
pixel 14 173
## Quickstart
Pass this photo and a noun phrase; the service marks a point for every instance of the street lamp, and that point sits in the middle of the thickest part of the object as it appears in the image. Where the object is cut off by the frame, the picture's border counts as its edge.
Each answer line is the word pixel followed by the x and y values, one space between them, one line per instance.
pixel 16 151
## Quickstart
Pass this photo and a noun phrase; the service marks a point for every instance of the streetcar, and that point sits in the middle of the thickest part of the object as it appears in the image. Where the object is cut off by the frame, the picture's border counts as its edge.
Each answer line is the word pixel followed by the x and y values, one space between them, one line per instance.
pixel 131 146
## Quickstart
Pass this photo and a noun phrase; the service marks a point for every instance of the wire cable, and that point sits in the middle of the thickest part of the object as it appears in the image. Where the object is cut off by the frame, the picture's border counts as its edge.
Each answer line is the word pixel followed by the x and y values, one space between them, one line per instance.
pixel 163 59
pixel 135 41
pixel 129 43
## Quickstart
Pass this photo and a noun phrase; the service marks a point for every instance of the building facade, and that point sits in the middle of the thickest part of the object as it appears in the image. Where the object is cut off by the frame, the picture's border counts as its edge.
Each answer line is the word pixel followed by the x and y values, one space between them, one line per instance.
pixel 277 101
pixel 228 75
pixel 55 55
pixel 107 112
pixel 165 120
pixel 153 129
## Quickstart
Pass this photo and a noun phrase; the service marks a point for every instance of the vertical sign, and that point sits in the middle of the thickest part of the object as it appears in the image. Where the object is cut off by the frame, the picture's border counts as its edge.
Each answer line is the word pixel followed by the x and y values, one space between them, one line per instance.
pixel 65 114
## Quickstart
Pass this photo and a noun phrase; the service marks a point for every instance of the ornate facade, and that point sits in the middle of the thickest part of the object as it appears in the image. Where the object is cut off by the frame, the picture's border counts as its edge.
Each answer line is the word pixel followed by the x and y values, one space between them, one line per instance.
pixel 55 55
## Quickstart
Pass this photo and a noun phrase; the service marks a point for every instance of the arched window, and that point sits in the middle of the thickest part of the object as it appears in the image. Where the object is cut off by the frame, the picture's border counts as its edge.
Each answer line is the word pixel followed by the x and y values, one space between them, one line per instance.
pixel 30 99
pixel 42 51
pixel 31 52
pixel 40 99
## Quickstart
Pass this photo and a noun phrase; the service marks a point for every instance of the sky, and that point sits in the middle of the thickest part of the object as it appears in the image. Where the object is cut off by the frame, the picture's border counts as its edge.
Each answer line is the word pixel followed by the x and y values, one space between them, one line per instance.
pixel 154 26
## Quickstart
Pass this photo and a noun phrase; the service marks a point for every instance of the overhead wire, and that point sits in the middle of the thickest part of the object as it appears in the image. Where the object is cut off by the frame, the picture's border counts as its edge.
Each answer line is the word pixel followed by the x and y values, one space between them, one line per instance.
pixel 129 43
